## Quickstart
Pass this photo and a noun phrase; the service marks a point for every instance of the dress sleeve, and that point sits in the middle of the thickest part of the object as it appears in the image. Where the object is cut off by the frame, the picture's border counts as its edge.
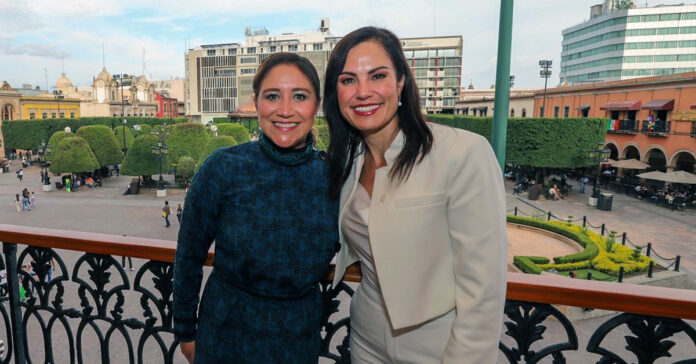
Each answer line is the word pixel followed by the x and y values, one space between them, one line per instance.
pixel 477 223
pixel 196 234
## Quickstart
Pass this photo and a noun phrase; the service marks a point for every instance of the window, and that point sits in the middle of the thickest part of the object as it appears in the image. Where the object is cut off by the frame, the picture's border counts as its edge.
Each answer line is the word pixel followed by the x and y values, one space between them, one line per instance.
pixel 317 46
pixel 672 44
pixel 72 114
pixel 524 113
pixel 666 17
pixel 614 114
pixel 251 50
pixel 272 49
pixel 420 63
pixel 687 44
pixel 664 31
pixel 248 71
pixel 211 52
pixel 688 16
pixel 62 115
pixel 7 112
pixel 32 115
pixel 541 111
pixel 292 48
pixel 512 113
pixel 647 18
pixel 686 57
pixel 566 111
pixel 666 58
pixel 420 53
pixel 44 115
pixel 248 60
pixel 556 109
pixel 53 115
pixel 648 31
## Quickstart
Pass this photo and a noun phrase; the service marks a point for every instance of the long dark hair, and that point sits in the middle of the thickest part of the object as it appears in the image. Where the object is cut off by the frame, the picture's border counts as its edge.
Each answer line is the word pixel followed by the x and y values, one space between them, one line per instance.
pixel 345 140
pixel 302 63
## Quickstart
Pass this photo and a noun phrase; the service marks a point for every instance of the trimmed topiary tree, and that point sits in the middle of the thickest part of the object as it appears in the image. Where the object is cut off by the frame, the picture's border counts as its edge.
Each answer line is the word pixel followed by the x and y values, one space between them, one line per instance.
pixel 213 145
pixel 321 136
pixel 103 143
pixel 144 130
pixel 185 168
pixel 54 141
pixel 186 140
pixel 238 131
pixel 73 155
pixel 140 161
pixel 118 131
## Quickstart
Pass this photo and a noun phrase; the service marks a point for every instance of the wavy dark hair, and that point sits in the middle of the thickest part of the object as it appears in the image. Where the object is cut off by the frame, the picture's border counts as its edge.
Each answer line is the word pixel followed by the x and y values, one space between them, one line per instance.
pixel 302 63
pixel 345 139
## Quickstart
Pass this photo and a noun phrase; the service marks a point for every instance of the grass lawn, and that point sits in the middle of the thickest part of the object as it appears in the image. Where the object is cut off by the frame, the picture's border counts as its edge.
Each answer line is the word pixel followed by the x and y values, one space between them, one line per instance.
pixel 596 275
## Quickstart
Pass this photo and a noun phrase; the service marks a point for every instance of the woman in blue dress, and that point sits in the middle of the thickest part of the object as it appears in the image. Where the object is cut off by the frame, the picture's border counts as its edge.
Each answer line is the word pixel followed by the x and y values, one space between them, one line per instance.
pixel 265 205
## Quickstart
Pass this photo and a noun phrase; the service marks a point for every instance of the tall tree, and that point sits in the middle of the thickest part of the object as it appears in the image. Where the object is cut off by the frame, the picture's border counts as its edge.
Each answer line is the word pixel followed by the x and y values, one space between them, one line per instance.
pixel 103 143
pixel 140 161
pixel 73 155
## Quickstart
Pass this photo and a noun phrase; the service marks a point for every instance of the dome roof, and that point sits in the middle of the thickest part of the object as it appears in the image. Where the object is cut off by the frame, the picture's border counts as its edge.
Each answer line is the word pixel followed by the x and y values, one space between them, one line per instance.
pixel 63 81
pixel 104 75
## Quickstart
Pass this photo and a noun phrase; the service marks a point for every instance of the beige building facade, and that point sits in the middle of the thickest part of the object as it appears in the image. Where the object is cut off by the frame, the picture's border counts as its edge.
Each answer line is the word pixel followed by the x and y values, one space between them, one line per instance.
pixel 219 76
pixel 481 102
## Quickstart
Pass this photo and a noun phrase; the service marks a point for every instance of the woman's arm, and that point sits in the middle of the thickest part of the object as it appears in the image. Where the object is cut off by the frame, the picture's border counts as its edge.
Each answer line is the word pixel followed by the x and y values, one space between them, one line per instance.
pixel 198 229
pixel 477 223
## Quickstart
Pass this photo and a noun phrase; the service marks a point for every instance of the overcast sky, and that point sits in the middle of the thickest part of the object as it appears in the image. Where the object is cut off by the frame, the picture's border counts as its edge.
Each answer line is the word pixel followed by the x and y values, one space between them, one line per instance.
pixel 34 34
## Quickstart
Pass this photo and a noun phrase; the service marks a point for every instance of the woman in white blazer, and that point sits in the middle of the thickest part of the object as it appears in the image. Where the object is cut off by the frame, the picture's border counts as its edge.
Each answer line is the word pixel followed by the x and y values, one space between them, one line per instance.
pixel 422 207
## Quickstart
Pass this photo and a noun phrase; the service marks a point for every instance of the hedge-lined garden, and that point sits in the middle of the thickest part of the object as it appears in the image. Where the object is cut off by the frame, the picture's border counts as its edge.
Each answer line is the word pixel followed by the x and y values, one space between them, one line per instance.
pixel 27 134
pixel 600 254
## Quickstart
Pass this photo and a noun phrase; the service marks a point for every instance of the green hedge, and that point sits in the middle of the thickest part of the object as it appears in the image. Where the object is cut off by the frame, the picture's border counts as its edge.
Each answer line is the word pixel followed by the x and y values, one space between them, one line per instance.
pixel 321 134
pixel 144 130
pixel 214 144
pixel 140 161
pixel 526 265
pixel 186 140
pixel 185 167
pixel 118 131
pixel 54 141
pixel 103 143
pixel 538 142
pixel 73 155
pixel 595 255
pixel 27 134
pixel 238 131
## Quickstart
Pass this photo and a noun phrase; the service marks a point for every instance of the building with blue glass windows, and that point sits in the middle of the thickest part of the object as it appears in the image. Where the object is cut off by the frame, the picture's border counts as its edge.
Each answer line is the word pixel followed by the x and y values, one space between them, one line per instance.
pixel 618 44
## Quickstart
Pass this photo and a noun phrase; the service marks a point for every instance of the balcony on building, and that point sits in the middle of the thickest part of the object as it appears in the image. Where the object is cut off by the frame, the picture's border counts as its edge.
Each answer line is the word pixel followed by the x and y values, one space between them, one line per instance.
pixel 622 115
pixel 661 124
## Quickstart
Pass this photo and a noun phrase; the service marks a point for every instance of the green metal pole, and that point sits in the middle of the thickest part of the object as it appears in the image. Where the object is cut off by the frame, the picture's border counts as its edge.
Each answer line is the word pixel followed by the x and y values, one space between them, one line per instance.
pixel 502 82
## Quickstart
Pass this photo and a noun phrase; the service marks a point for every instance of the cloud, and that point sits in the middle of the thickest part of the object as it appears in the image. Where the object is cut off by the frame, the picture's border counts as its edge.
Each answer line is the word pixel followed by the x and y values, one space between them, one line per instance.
pixel 37 50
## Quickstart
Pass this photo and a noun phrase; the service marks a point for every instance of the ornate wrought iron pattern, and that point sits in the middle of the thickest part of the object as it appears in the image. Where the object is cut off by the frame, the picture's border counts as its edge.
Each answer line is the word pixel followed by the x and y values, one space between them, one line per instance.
pixel 650 340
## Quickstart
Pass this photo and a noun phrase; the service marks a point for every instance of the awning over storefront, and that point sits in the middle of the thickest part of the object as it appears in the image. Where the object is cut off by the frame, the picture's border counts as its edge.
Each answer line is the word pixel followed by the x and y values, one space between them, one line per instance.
pixel 583 107
pixel 659 105
pixel 693 107
pixel 621 105
pixel 465 108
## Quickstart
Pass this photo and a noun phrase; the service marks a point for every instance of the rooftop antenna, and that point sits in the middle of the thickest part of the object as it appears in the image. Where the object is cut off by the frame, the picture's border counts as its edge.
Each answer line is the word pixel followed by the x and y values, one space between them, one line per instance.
pixel 434 22
pixel 143 61
pixel 62 62
pixel 46 77
pixel 103 57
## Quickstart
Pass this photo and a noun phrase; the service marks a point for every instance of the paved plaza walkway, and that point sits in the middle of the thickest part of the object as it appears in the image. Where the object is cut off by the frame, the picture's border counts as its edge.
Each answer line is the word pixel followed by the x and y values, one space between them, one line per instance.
pixel 107 210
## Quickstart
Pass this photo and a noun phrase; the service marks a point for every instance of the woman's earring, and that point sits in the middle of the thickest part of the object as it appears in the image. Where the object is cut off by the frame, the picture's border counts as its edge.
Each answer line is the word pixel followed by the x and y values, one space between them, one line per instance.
pixel 399 101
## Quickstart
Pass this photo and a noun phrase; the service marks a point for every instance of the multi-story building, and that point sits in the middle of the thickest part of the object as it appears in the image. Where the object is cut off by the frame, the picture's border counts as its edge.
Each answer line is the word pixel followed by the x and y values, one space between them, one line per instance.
pixel 436 64
pixel 667 141
pixel 219 76
pixel 481 102
pixel 629 43
pixel 167 107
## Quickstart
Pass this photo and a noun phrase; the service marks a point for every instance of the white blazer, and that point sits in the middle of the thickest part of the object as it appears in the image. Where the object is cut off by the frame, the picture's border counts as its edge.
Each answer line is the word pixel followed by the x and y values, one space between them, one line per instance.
pixel 439 241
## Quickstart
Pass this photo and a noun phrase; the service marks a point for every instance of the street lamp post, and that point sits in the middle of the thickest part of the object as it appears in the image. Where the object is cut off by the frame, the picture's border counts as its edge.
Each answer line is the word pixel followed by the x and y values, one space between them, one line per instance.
pixel 58 95
pixel 545 73
pixel 160 150
pixel 43 150
pixel 123 112
pixel 597 156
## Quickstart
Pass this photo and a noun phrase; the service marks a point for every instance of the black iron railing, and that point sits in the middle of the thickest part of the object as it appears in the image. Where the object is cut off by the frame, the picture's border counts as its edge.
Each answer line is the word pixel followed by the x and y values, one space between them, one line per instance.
pixel 80 305
pixel 657 127
pixel 626 126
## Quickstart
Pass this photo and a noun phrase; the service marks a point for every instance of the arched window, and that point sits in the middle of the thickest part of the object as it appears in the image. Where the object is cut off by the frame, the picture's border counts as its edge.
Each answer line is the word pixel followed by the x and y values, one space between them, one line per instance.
pixel 7 112
pixel 524 113
pixel 512 113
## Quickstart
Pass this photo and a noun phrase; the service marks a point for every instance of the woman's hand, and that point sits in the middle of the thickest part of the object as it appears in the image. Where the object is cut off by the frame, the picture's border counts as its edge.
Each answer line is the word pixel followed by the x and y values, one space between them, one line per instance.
pixel 188 350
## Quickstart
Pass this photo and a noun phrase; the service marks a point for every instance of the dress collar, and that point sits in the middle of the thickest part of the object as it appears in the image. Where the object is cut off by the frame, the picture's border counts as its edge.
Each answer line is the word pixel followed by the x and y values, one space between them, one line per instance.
pixel 287 156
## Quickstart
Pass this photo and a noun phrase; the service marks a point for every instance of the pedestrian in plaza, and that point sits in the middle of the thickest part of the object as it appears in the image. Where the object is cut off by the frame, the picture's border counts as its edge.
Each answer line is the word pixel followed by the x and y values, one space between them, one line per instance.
pixel 25 200
pixel 20 175
pixel 262 302
pixel 18 203
pixel 166 211
pixel 179 211
pixel 583 181
pixel 422 209
pixel 33 199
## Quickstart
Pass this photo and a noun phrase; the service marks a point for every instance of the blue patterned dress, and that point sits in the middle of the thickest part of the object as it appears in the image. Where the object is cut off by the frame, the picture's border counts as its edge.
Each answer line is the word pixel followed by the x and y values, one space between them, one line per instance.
pixel 275 232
